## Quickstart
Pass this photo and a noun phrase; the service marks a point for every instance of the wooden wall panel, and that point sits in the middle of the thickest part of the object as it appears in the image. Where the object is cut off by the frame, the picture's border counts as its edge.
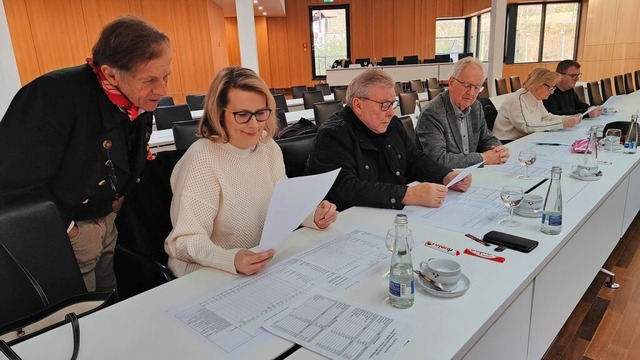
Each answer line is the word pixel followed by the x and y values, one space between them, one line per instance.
pixel 262 38
pixel 21 39
pixel 233 45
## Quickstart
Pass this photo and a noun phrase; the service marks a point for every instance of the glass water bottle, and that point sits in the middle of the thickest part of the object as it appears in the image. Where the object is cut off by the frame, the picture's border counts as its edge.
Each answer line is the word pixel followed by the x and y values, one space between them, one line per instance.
pixel 552 209
pixel 401 283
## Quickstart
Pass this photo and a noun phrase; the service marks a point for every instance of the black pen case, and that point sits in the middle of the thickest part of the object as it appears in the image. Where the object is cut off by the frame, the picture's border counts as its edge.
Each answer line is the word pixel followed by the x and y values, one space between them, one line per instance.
pixel 510 241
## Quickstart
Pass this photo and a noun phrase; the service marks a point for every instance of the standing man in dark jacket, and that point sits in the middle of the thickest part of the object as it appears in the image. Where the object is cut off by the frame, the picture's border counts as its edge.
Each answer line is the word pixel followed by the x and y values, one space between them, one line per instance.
pixel 78 137
pixel 565 101
pixel 377 158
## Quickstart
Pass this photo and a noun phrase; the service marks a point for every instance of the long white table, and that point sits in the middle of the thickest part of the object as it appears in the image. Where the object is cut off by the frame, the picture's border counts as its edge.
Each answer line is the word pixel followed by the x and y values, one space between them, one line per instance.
pixel 512 310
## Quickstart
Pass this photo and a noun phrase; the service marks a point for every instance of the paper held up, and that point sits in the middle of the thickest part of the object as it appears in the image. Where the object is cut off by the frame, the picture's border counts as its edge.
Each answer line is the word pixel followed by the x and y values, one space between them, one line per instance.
pixel 463 174
pixel 292 201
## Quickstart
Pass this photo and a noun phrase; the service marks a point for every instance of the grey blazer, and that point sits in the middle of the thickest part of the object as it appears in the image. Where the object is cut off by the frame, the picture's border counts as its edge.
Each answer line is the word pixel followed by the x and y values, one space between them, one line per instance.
pixel 439 135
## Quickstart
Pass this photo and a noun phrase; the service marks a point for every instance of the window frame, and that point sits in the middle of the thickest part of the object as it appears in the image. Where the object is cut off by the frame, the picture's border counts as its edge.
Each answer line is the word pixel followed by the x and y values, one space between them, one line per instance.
pixel 311 40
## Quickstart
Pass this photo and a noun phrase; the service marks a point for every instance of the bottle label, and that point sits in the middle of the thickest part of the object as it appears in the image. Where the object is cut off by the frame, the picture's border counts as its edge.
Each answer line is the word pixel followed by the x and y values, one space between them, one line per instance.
pixel 552 220
pixel 400 289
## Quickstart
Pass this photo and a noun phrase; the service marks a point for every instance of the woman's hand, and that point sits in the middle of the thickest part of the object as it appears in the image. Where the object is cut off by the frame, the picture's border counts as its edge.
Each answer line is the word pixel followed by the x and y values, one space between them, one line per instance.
pixel 325 214
pixel 247 262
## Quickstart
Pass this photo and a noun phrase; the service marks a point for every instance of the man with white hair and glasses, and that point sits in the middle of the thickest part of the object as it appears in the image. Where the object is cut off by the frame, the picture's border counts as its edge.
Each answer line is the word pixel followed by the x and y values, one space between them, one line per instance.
pixel 452 129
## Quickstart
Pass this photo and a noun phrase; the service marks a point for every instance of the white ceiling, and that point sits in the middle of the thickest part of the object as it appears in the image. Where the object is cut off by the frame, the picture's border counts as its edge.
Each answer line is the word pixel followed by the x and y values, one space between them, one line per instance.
pixel 273 8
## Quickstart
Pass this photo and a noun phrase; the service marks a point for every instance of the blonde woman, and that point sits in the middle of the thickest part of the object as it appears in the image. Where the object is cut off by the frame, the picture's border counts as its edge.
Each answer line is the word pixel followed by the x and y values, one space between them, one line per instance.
pixel 524 113
pixel 223 184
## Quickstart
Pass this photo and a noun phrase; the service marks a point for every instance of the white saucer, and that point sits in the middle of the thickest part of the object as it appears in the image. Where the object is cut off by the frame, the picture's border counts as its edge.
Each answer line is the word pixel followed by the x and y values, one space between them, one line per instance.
pixel 461 288
pixel 585 178
pixel 528 213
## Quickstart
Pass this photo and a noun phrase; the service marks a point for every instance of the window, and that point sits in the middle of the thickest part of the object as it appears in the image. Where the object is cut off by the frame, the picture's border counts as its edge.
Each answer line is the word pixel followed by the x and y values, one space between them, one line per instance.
pixel 450 36
pixel 541 32
pixel 329 37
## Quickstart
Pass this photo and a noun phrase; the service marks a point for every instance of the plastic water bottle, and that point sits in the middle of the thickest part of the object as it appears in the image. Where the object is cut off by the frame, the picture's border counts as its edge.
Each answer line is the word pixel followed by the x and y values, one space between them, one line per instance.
pixel 401 285
pixel 552 208
pixel 631 140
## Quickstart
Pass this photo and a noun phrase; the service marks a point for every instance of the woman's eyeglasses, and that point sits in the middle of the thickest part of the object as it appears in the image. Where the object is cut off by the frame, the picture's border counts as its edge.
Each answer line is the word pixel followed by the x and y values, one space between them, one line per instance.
pixel 243 117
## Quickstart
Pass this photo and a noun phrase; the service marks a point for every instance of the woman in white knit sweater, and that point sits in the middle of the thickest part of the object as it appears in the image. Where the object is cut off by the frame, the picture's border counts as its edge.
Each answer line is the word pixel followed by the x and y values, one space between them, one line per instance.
pixel 523 112
pixel 223 184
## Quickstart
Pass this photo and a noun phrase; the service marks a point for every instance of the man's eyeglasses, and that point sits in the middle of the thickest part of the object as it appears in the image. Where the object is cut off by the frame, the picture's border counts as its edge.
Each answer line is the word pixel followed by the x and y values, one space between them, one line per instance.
pixel 384 105
pixel 243 117
pixel 549 87
pixel 469 86
pixel 573 76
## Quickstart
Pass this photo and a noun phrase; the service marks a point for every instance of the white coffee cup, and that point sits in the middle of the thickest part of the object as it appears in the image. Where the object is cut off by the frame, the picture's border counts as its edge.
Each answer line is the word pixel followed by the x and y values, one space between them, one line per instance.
pixel 444 272
pixel 584 170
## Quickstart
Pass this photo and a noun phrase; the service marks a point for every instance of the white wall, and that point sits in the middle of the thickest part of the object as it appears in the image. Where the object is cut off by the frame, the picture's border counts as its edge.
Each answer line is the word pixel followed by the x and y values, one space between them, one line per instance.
pixel 9 77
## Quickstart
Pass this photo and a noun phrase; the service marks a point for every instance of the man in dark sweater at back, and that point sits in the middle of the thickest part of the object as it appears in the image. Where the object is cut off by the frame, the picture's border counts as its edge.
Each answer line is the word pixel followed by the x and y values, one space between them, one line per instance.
pixel 565 101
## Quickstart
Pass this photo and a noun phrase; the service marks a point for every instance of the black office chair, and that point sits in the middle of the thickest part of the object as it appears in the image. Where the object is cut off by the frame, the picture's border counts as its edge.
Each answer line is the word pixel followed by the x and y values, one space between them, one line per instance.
pixel 143 222
pixel 607 89
pixel 323 110
pixel 433 83
pixel 281 119
pixel 618 83
pixel 410 59
pixel 340 93
pixel 434 92
pixel 325 88
pixel 408 102
pixel 628 83
pixel 417 86
pixel 281 102
pixel 514 82
pixel 389 60
pixel 166 115
pixel 593 90
pixel 184 133
pixel 311 97
pixel 501 86
pixel 579 89
pixel 490 112
pixel 407 123
pixel 363 62
pixel 296 91
pixel 195 101
pixel 295 152
pixel 166 101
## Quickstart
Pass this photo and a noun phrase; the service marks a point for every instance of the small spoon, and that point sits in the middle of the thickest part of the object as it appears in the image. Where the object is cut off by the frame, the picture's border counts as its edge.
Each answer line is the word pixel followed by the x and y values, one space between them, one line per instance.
pixel 425 278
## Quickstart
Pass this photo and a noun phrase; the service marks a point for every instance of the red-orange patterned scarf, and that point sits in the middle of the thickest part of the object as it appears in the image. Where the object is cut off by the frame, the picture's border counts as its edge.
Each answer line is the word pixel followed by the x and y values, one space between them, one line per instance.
pixel 114 94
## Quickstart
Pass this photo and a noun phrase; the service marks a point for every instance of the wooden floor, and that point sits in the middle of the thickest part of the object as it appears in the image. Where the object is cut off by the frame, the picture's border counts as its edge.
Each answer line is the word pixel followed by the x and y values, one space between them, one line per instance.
pixel 606 323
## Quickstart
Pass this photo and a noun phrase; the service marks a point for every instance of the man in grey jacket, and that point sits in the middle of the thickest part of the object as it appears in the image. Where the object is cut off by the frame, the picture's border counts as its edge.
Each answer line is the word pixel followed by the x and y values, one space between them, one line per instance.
pixel 452 129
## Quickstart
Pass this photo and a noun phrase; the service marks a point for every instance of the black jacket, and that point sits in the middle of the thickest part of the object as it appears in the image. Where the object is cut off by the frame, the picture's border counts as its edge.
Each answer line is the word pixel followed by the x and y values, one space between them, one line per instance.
pixel 51 145
pixel 375 167
pixel 565 103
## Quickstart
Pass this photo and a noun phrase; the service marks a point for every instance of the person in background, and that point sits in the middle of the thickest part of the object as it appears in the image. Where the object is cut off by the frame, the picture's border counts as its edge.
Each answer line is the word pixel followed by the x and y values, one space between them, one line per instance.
pixel 377 159
pixel 78 137
pixel 565 101
pixel 223 184
pixel 452 129
pixel 523 112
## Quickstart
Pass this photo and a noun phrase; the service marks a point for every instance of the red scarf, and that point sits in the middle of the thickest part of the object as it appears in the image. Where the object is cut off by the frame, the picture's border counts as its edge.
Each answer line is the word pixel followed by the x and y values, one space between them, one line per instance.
pixel 114 94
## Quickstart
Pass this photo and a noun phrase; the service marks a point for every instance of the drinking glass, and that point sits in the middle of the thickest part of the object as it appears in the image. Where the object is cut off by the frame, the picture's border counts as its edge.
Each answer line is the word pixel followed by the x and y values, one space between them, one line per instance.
pixel 612 139
pixel 526 158
pixel 511 197
pixel 389 241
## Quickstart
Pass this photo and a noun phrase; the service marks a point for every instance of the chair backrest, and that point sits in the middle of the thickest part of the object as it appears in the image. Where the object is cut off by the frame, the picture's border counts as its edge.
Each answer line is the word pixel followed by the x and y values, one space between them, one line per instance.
pixel 628 83
pixel 593 90
pixel 389 60
pixel 397 87
pixel 433 83
pixel 408 127
pixel 410 59
pixel 325 88
pixel 34 235
pixel 434 92
pixel 501 86
pixel 514 82
pixel 340 93
pixel 364 62
pixel 281 102
pixel 416 85
pixel 579 89
pixel 166 101
pixel 311 97
pixel 485 91
pixel 296 91
pixel 184 133
pixel 490 112
pixel 618 82
pixel 166 115
pixel 295 152
pixel 636 75
pixel 195 101
pixel 607 89
pixel 408 102
pixel 323 110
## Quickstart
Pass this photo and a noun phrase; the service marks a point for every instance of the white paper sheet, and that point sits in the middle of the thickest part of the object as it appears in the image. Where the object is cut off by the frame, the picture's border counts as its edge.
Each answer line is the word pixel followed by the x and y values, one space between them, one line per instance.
pixel 463 174
pixel 342 330
pixel 292 201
